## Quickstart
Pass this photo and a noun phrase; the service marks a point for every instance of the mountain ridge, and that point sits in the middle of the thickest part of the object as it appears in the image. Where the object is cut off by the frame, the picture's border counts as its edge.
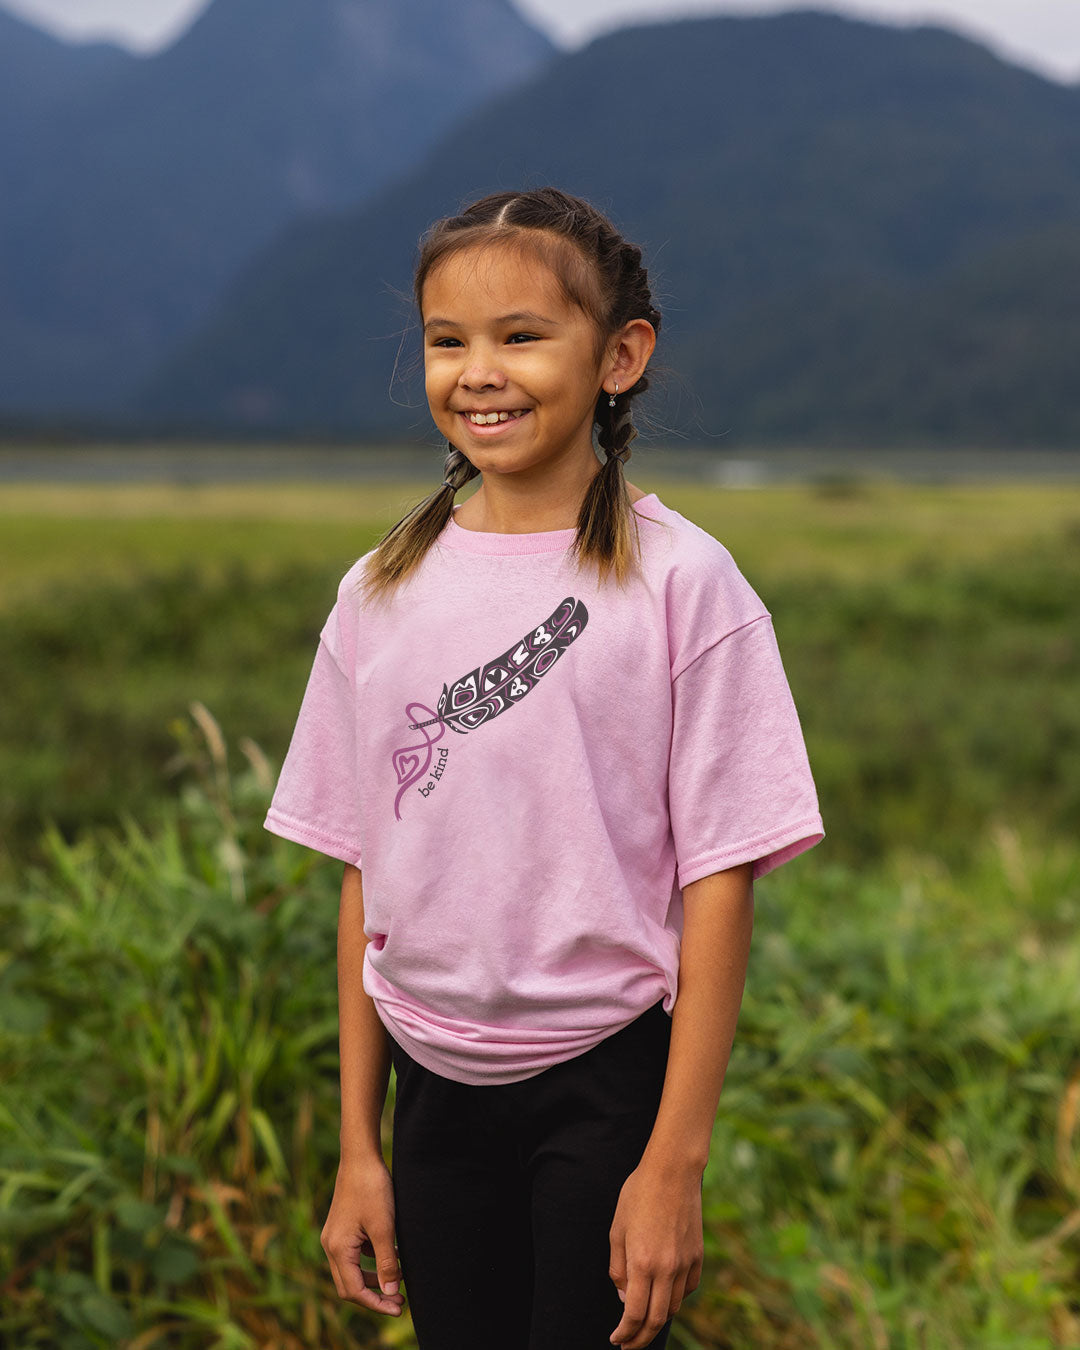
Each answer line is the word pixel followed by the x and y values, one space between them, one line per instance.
pixel 138 204
pixel 36 69
pixel 813 175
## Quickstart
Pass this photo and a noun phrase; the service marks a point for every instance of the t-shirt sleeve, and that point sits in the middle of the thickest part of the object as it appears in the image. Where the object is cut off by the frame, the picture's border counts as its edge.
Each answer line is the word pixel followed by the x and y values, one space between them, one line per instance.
pixel 317 799
pixel 739 784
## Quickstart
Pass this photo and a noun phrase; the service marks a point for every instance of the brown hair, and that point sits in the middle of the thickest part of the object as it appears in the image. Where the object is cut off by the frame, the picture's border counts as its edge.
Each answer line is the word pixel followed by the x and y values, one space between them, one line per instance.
pixel 602 274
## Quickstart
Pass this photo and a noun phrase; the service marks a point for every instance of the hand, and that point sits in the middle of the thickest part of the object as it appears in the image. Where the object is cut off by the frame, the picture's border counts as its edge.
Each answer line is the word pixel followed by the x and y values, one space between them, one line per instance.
pixel 657 1249
pixel 361 1222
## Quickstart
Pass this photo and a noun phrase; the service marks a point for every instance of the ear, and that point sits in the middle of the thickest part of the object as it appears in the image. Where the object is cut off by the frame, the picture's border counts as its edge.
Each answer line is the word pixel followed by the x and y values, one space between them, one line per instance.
pixel 628 355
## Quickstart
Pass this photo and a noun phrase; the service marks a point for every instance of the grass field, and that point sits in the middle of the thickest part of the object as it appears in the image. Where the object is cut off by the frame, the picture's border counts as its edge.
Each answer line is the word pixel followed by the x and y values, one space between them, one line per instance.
pixel 844 529
pixel 896 1164
pixel 928 631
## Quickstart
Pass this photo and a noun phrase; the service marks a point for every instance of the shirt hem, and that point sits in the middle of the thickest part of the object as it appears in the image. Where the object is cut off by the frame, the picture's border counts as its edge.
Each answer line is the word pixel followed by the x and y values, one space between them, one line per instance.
pixel 300 833
pixel 446 1067
pixel 767 852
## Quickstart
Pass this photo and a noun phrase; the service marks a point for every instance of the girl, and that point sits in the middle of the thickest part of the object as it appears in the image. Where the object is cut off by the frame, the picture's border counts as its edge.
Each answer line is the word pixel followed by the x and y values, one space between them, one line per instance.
pixel 549 734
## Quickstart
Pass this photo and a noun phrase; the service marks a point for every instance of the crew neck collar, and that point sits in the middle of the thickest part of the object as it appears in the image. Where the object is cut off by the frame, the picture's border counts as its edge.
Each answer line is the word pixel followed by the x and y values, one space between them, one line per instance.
pixel 487 541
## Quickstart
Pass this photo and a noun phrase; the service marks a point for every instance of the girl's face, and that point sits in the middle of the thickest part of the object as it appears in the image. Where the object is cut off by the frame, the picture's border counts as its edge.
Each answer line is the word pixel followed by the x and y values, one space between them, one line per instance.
pixel 499 338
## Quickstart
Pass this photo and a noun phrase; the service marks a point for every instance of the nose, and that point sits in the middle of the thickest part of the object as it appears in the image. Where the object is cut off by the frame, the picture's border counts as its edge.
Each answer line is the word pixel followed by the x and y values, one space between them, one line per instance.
pixel 479 374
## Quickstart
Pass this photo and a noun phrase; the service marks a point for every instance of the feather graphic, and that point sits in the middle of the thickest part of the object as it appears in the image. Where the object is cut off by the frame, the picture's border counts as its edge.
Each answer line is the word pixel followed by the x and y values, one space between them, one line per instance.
pixel 490 689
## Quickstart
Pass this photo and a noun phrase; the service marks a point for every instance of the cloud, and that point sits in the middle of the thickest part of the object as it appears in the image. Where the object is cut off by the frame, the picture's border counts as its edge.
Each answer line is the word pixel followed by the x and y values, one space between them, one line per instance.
pixel 1044 34
pixel 142 24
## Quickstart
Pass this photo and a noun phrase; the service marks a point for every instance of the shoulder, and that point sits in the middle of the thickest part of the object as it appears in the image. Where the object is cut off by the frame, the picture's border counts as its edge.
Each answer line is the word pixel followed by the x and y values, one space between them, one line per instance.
pixel 706 597
pixel 348 590
pixel 356 610
pixel 340 631
pixel 684 554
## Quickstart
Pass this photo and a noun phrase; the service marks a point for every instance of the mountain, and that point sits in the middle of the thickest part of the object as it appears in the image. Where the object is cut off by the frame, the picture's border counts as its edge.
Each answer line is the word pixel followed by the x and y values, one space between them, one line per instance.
pixel 38 77
pixel 143 196
pixel 38 73
pixel 858 232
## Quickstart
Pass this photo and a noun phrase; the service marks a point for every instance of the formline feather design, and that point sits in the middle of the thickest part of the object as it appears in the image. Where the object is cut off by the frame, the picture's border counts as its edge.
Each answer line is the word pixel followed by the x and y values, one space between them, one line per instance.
pixel 490 689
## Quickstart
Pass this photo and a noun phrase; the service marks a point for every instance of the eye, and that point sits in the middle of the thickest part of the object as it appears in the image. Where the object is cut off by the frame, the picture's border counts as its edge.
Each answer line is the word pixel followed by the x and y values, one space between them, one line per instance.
pixel 446 342
pixel 522 337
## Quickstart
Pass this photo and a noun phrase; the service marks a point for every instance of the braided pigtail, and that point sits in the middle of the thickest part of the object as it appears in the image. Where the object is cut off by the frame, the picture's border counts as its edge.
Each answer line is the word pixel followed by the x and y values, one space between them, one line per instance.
pixel 403 546
pixel 607 514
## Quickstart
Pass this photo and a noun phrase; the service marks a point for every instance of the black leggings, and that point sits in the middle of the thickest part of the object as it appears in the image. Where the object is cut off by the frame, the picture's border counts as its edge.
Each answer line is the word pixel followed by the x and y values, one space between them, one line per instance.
pixel 505 1194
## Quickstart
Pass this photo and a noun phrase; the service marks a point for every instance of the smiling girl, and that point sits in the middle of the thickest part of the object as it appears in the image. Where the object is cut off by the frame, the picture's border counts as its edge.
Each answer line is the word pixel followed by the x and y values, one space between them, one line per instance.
pixel 549 734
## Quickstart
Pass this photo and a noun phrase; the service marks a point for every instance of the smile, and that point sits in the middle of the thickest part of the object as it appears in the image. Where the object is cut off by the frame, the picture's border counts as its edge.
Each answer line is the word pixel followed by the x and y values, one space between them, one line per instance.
pixel 493 424
pixel 489 419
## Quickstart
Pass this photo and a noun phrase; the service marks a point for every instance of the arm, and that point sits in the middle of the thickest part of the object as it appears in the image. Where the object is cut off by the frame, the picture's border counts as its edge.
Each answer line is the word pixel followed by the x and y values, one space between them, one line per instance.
pixel 657 1244
pixel 365 1051
pixel 361 1218
pixel 718 919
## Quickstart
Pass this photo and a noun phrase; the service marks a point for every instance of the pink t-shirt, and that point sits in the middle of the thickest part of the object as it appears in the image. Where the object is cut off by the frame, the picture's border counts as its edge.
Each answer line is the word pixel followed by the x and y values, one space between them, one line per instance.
pixel 528 767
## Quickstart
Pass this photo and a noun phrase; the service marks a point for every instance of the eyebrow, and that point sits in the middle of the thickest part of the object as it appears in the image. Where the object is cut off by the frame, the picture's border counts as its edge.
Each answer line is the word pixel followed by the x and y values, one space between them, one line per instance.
pixel 520 316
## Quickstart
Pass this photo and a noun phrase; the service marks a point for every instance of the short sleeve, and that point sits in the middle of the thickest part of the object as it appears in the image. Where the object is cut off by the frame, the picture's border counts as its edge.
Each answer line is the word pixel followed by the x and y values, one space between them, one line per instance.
pixel 317 799
pixel 739 783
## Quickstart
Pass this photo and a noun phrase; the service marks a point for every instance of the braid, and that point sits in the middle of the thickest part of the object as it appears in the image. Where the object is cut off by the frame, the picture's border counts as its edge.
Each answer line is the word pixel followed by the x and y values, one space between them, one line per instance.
pixel 457 470
pixel 616 425
pixel 634 301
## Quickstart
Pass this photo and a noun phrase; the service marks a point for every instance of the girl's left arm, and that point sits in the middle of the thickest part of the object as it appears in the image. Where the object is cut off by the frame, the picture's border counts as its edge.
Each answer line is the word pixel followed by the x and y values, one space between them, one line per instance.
pixel 657 1245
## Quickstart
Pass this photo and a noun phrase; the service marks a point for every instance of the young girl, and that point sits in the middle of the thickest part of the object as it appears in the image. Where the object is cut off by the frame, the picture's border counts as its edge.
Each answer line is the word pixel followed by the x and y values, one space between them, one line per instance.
pixel 549 734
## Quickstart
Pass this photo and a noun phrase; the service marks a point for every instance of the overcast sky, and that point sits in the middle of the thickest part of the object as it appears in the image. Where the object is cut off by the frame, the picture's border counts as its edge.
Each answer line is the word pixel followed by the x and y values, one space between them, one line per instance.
pixel 1042 33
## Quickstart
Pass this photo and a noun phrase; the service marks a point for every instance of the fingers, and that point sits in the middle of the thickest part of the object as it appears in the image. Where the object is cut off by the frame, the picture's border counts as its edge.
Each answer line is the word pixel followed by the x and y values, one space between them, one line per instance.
pixel 387 1269
pixel 636 1306
pixel 361 1224
pixel 357 1285
pixel 648 1303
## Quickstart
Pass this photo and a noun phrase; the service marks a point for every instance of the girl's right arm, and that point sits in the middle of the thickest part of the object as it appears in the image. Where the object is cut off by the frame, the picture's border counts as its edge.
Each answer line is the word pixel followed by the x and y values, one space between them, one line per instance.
pixel 361 1218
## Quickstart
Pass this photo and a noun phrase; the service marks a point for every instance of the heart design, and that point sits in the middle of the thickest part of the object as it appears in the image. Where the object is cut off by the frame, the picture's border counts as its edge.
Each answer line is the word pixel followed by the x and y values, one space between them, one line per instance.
pixel 405 764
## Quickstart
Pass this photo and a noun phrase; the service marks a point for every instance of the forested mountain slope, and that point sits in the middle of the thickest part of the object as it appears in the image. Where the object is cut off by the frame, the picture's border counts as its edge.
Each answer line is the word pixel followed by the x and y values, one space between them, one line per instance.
pixel 137 200
pixel 857 232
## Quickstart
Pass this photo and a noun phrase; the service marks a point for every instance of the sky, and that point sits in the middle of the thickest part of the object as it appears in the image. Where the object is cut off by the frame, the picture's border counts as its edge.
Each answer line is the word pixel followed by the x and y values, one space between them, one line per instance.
pixel 1043 34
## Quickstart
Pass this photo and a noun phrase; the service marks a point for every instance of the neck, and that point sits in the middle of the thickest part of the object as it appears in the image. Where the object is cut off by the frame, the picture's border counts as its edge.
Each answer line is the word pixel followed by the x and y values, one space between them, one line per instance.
pixel 511 505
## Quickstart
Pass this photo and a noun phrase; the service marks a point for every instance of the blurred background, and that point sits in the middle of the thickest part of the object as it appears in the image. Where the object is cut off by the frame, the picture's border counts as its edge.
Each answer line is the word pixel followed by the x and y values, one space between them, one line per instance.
pixel 862 223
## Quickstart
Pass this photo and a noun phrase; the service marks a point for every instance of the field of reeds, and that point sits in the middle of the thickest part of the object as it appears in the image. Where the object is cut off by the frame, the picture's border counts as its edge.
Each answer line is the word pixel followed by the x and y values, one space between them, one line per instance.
pixel 896 1162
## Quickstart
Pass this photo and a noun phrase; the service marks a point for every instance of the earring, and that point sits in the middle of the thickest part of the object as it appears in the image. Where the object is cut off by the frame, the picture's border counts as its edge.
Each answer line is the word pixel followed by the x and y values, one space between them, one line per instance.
pixel 611 400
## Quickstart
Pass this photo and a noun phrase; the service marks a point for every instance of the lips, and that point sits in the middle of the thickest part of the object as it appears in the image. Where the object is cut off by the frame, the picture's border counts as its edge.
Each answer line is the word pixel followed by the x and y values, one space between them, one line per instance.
pixel 501 424
pixel 490 416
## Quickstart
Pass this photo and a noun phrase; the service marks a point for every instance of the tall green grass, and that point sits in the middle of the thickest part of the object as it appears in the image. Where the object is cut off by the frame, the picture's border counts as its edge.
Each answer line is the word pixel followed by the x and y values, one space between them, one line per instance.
pixel 934 699
pixel 896 1162
pixel 169 1115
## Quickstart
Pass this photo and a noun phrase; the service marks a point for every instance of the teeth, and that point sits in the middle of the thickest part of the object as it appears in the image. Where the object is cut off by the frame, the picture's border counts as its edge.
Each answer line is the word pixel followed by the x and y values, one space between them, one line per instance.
pixel 489 419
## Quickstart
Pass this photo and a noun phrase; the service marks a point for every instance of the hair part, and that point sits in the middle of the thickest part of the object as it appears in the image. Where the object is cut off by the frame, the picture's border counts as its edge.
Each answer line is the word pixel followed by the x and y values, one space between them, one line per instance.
pixel 602 274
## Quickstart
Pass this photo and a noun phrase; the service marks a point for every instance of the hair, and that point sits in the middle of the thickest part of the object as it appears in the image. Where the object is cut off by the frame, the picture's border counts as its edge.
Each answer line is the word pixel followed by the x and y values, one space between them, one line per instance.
pixel 599 272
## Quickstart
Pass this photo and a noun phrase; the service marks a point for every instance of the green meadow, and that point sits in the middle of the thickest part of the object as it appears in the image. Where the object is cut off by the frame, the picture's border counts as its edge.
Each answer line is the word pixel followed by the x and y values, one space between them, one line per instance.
pixel 896 1161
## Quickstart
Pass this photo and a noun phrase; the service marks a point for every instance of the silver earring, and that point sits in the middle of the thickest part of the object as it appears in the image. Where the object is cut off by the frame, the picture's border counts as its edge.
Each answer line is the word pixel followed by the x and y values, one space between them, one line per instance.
pixel 611 400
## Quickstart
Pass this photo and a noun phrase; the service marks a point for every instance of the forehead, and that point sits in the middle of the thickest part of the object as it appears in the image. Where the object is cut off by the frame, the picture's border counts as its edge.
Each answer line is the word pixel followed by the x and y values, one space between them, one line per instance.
pixel 495 278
